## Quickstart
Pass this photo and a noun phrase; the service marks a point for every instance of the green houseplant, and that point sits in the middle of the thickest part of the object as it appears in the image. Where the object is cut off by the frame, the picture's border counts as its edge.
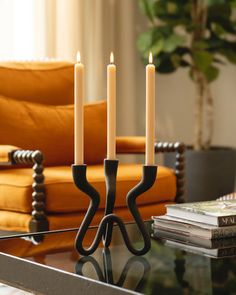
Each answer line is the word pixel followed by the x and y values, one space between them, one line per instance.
pixel 199 35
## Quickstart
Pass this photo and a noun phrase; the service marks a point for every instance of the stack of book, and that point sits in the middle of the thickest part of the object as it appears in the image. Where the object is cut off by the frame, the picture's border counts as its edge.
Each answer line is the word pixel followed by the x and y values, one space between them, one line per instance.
pixel 203 227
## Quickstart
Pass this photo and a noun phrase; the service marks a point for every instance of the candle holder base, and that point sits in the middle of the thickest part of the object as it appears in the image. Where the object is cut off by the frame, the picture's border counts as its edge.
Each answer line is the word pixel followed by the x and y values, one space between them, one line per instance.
pixel 105 227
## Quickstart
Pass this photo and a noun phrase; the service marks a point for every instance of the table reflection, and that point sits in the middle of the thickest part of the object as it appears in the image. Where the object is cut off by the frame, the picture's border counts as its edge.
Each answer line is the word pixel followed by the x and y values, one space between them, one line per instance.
pixel 105 274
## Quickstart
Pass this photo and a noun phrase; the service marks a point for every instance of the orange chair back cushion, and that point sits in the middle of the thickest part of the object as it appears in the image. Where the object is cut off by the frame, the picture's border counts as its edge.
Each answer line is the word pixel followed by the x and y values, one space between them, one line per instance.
pixel 41 82
pixel 51 129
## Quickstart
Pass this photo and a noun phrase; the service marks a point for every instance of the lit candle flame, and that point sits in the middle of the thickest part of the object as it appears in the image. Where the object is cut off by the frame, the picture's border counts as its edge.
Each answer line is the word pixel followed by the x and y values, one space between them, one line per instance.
pixel 150 58
pixel 78 57
pixel 112 58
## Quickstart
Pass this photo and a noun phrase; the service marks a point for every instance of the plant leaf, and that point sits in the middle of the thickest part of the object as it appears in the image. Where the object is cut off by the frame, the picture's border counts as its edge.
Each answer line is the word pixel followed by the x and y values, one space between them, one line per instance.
pixel 202 59
pixel 171 7
pixel 218 29
pixel 233 3
pixel 229 54
pixel 172 42
pixel 145 41
pixel 165 64
pixel 148 8
pixel 219 11
pixel 157 47
pixel 214 2
pixel 168 37
pixel 211 73
pixel 200 45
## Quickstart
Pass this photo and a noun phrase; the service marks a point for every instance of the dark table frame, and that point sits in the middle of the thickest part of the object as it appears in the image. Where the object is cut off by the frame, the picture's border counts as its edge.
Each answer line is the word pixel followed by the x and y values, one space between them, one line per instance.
pixel 40 279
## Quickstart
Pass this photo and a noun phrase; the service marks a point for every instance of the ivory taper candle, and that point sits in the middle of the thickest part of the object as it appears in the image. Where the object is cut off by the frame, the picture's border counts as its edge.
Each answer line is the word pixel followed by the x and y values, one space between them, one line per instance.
pixel 111 109
pixel 150 112
pixel 79 113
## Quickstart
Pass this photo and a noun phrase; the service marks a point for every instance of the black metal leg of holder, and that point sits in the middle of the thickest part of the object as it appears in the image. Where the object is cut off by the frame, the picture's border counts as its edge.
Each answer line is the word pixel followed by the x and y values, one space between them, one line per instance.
pixel 80 180
pixel 110 167
pixel 148 179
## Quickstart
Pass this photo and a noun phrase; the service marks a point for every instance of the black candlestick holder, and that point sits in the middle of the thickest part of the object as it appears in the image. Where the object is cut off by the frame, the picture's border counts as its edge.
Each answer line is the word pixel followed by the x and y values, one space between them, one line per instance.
pixel 105 227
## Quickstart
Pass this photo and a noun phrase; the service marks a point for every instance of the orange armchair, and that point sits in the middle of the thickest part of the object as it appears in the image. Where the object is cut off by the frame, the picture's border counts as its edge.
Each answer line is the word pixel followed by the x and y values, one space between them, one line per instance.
pixel 36 111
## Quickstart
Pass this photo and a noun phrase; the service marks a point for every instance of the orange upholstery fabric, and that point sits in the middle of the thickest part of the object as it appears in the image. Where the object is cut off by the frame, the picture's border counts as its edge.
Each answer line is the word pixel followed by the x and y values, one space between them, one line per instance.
pixel 50 129
pixel 4 152
pixel 42 82
pixel 14 221
pixel 62 196
pixel 19 221
pixel 130 144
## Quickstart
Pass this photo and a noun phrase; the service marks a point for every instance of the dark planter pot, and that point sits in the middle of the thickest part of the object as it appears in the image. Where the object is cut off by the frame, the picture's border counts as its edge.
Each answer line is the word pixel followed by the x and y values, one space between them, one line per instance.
pixel 209 174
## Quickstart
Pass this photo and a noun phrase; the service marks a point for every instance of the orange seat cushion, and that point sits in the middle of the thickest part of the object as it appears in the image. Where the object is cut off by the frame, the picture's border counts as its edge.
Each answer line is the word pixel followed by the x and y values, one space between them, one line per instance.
pixel 49 82
pixel 51 129
pixel 63 197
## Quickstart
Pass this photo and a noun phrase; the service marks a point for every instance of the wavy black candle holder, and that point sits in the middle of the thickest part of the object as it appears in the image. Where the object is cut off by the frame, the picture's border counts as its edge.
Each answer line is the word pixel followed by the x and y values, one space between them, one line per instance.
pixel 106 225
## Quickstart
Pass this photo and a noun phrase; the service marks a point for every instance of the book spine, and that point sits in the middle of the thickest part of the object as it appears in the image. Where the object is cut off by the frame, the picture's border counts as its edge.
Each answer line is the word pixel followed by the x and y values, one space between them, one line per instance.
pixel 227 220
pixel 223 232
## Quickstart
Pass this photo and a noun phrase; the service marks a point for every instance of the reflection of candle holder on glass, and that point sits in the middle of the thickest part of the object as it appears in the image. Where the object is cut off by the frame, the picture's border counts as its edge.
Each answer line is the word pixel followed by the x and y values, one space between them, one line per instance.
pixel 106 225
pixel 35 239
pixel 106 275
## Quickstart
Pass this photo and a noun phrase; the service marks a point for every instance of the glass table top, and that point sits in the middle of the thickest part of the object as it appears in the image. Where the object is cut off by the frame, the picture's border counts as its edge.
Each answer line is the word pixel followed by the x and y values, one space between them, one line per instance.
pixel 165 269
